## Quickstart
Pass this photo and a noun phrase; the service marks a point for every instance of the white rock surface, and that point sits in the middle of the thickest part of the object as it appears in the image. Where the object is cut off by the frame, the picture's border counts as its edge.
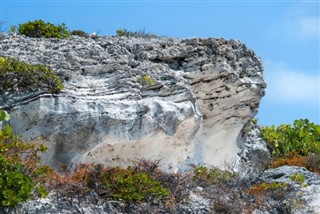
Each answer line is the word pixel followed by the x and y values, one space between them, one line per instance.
pixel 205 91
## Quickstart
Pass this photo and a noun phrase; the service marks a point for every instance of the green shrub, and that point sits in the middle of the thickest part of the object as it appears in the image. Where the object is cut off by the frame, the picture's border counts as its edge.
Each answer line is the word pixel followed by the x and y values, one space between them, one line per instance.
pixel 122 32
pixel 39 28
pixel 298 178
pixel 303 138
pixel 128 184
pixel 146 80
pixel 278 191
pixel 127 33
pixel 206 176
pixel 80 33
pixel 255 121
pixel 131 185
pixel 20 170
pixel 16 75
pixel 13 29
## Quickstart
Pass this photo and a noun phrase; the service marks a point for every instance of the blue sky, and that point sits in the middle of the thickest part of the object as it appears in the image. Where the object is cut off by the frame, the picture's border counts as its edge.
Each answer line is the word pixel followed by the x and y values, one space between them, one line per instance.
pixel 285 34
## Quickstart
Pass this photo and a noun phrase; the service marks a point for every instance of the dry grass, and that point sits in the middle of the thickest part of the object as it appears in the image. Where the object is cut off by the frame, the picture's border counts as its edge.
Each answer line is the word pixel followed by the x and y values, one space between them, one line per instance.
pixel 311 162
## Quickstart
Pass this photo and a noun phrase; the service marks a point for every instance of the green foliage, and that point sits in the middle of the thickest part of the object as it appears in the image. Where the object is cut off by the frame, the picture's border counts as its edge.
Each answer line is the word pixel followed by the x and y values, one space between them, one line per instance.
pixel 302 138
pixel 122 32
pixel 131 185
pixel 261 188
pixel 298 178
pixel 14 184
pixel 255 121
pixel 146 80
pixel 127 33
pixel 16 75
pixel 13 29
pixel 42 191
pixel 212 176
pixel 273 185
pixel 79 33
pixel 20 168
pixel 4 115
pixel 39 28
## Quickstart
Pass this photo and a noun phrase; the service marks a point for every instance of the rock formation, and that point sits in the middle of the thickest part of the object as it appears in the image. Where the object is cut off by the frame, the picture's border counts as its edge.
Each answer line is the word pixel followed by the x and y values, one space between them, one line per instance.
pixel 180 101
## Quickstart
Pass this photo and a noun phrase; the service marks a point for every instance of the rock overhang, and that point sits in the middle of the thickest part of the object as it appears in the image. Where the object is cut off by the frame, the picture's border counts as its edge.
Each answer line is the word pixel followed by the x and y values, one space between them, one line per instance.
pixel 204 91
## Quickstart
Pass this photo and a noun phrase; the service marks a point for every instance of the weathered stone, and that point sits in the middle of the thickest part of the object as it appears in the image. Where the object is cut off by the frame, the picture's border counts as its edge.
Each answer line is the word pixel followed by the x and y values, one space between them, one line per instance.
pixel 204 92
pixel 306 198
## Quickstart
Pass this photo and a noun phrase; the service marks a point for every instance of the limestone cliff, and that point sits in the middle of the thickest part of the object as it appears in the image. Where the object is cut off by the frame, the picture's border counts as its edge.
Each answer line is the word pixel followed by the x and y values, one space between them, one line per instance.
pixel 180 101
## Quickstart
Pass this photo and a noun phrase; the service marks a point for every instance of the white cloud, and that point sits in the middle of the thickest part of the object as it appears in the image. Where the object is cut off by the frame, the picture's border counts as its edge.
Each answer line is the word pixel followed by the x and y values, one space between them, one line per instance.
pixel 291 86
pixel 301 22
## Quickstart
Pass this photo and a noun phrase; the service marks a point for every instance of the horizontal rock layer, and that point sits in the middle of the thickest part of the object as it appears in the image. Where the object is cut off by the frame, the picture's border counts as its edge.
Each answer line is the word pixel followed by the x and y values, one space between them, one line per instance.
pixel 180 101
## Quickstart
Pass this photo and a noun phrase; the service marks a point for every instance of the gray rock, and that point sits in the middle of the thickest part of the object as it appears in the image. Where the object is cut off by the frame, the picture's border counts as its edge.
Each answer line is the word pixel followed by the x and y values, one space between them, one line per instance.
pixel 306 196
pixel 204 92
pixel 56 204
pixel 254 156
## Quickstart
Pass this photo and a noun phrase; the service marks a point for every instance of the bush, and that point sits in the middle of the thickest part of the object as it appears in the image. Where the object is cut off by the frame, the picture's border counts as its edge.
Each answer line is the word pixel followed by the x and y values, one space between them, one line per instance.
pixel 20 170
pixel 127 33
pixel 131 185
pixel 128 184
pixel 207 176
pixel 275 190
pixel 122 32
pixel 298 178
pixel 39 28
pixel 312 162
pixel 290 160
pixel 262 187
pixel 303 138
pixel 16 76
pixel 79 33
pixel 297 145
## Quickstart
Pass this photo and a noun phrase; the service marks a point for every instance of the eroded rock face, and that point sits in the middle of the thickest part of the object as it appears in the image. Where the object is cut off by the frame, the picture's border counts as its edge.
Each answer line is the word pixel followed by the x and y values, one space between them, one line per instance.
pixel 201 94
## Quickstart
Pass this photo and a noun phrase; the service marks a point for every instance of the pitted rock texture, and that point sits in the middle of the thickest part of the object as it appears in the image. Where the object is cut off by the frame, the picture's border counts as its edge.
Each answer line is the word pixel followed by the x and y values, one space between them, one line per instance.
pixel 203 92
pixel 306 197
pixel 254 155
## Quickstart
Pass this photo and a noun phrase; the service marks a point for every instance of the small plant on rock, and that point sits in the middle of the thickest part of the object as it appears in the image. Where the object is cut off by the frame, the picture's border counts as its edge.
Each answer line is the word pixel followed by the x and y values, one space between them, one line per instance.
pixel 262 187
pixel 13 29
pixel 298 178
pixel 275 190
pixel 130 185
pixel 141 33
pixel 122 32
pixel 146 80
pixel 206 176
pixel 255 121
